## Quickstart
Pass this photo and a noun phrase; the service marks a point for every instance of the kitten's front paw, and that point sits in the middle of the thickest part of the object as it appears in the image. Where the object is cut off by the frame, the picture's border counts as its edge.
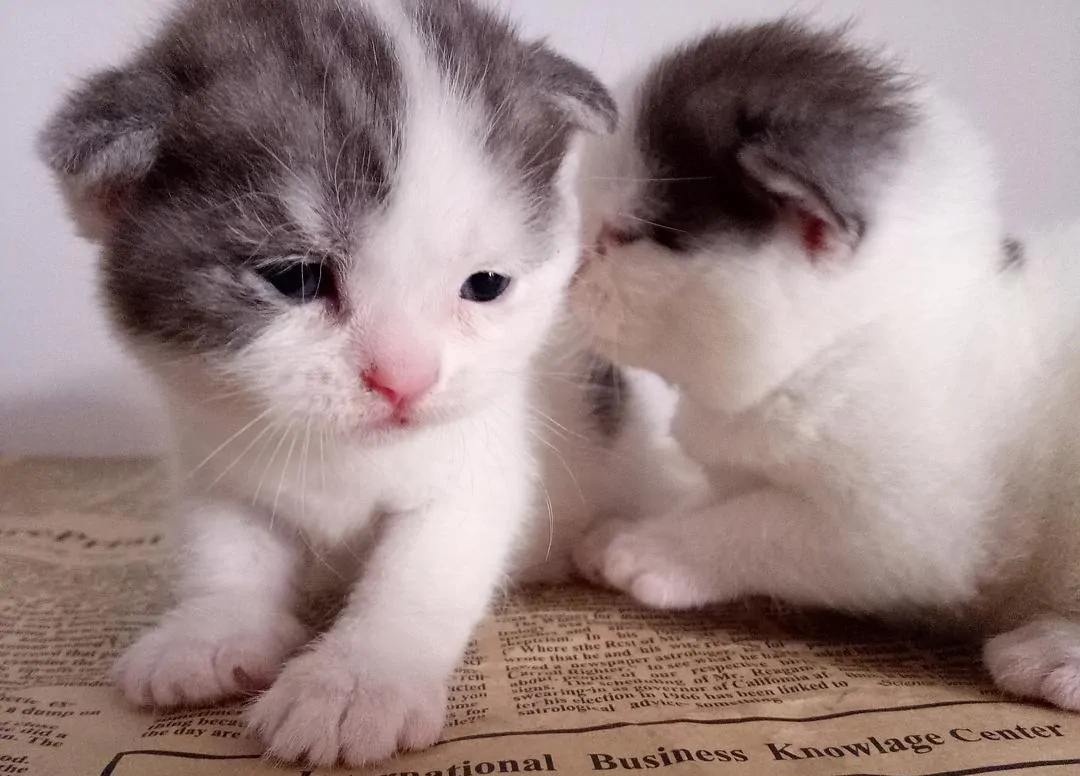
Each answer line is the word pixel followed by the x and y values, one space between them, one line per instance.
pixel 199 657
pixel 327 709
pixel 630 558
pixel 1040 660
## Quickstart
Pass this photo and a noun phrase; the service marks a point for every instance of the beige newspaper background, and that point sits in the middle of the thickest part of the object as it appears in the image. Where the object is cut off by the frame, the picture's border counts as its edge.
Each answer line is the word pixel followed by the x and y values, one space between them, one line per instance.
pixel 567 681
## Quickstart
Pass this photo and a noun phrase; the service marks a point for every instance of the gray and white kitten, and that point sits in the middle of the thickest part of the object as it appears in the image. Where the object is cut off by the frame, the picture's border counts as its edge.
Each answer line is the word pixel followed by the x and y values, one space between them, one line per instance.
pixel 338 233
pixel 882 388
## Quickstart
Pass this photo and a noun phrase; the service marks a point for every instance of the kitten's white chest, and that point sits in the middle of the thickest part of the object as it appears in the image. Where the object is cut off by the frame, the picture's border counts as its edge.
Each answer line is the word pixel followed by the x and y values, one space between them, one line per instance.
pixel 333 492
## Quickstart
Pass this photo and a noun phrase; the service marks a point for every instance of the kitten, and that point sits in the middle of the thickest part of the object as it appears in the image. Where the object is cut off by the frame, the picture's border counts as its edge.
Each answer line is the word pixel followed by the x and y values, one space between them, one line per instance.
pixel 806 243
pixel 338 233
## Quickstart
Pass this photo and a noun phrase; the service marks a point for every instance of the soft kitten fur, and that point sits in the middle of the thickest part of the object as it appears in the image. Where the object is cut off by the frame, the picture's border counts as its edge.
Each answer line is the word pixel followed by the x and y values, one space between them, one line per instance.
pixel 291 196
pixel 882 388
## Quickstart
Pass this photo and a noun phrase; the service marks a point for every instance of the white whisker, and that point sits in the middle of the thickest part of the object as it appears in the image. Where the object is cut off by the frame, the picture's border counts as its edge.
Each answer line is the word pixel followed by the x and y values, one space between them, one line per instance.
pixel 651 223
pixel 266 471
pixel 281 480
pixel 228 442
pixel 222 474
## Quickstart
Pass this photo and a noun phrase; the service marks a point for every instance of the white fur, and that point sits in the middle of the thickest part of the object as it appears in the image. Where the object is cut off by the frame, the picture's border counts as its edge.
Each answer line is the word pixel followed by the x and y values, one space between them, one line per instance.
pixel 889 429
pixel 286 464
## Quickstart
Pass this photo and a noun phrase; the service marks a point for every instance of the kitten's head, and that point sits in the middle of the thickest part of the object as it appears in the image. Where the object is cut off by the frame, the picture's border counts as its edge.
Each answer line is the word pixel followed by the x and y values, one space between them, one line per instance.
pixel 742 193
pixel 357 215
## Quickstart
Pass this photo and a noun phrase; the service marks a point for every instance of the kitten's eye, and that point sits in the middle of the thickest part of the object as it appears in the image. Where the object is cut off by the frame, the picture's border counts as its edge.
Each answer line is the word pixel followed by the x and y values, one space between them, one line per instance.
pixel 304 281
pixel 484 287
pixel 618 237
pixel 623 237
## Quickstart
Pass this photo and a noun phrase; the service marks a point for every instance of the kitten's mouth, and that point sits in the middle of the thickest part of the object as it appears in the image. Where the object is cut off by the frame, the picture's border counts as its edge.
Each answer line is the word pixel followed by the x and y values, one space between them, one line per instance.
pixel 396 421
pixel 402 420
pixel 399 421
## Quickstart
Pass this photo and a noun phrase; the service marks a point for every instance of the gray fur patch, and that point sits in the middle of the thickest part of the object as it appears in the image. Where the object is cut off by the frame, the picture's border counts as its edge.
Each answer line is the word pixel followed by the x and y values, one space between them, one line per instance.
pixel 607 398
pixel 803 104
pixel 199 142
pixel 109 132
pixel 1014 255
pixel 533 98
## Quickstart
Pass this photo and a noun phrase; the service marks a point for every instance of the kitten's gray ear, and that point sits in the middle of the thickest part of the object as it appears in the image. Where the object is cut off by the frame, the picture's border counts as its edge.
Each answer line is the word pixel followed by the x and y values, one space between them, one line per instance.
pixel 104 139
pixel 827 216
pixel 575 92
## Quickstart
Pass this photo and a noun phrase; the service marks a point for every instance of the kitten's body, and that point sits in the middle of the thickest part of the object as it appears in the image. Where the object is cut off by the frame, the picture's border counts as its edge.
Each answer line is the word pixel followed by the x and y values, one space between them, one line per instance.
pixel 338 234
pixel 881 389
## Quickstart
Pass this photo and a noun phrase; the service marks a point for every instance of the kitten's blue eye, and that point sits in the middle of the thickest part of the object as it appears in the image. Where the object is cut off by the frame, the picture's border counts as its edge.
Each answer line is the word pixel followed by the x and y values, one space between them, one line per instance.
pixel 484 287
pixel 304 281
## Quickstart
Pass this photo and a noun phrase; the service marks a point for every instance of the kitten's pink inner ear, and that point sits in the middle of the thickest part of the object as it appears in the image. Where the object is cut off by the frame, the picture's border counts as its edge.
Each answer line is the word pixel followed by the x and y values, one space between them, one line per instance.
pixel 821 230
pixel 815 234
pixel 95 211
pixel 822 238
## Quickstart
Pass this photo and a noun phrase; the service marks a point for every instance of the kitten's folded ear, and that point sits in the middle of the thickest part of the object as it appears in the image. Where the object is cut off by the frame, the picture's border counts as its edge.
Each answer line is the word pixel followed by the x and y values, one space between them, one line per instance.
pixel 827 211
pixel 104 140
pixel 575 92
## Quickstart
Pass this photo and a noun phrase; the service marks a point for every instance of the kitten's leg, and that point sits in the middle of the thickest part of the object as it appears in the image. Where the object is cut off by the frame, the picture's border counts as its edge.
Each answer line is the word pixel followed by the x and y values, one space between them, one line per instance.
pixel 234 625
pixel 762 542
pixel 1039 660
pixel 376 682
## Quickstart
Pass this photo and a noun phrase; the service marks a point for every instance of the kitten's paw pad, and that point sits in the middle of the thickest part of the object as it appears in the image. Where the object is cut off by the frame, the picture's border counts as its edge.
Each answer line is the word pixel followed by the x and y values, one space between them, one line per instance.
pixel 326 710
pixel 1039 661
pixel 621 556
pixel 195 661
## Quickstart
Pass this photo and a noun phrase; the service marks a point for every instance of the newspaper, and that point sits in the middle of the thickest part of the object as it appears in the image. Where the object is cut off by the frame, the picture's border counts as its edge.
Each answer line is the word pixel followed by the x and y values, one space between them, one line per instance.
pixel 571 681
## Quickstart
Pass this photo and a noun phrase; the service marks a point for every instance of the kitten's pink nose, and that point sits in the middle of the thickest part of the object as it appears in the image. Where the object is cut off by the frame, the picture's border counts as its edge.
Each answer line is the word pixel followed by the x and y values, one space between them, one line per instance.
pixel 403 386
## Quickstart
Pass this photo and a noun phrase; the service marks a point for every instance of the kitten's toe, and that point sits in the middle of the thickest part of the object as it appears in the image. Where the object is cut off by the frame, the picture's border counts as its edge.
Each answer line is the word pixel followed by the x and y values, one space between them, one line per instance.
pixel 1040 660
pixel 194 658
pixel 627 557
pixel 328 709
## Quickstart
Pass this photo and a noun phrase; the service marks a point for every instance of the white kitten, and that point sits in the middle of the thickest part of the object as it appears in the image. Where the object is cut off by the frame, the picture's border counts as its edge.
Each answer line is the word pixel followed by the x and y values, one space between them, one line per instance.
pixel 881 387
pixel 339 234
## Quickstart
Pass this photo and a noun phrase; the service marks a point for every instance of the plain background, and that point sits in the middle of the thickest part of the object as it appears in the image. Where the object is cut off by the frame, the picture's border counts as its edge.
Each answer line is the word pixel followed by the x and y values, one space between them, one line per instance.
pixel 65 388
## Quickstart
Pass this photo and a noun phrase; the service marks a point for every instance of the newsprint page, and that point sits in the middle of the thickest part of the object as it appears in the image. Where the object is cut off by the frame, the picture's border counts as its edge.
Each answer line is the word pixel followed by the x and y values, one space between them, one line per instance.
pixel 566 681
